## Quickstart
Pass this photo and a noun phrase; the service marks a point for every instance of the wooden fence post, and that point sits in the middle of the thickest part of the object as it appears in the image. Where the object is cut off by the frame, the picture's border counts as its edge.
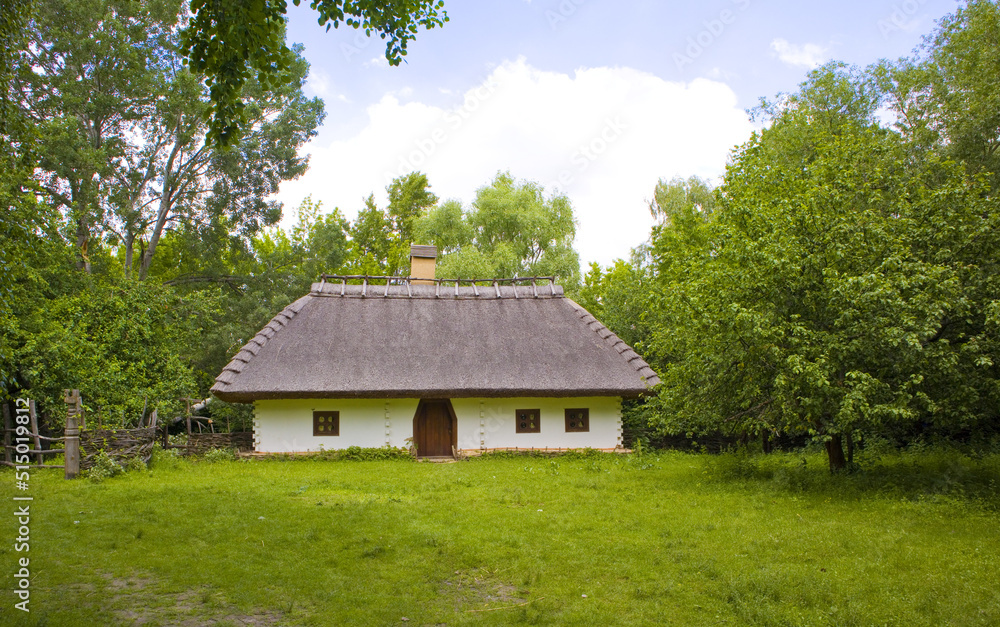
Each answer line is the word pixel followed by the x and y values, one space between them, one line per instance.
pixel 8 428
pixel 73 411
pixel 33 417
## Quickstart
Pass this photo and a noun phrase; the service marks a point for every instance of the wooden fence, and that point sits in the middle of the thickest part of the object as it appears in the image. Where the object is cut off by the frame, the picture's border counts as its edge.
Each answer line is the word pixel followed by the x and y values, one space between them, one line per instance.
pixel 81 446
pixel 118 444
pixel 199 443
pixel 20 430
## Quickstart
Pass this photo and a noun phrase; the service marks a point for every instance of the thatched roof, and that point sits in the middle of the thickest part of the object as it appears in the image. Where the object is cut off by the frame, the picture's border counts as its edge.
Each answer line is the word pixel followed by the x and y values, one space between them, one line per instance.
pixel 410 341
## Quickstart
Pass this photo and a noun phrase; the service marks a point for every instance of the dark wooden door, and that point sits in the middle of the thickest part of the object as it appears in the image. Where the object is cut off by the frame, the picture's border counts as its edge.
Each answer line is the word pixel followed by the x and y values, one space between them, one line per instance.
pixel 434 428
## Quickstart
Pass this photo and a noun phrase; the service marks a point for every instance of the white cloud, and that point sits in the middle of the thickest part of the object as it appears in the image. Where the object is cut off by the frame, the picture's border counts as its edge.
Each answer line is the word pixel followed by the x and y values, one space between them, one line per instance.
pixel 378 61
pixel 603 136
pixel 806 55
pixel 318 84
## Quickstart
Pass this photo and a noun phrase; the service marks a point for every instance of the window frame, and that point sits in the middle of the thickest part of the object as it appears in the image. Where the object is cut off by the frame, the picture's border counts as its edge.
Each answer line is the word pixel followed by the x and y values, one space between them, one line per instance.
pixel 584 416
pixel 325 413
pixel 517 421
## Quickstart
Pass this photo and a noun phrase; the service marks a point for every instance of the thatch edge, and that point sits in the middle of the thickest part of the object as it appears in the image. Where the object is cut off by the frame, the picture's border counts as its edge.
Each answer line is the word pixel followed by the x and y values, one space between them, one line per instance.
pixel 648 375
pixel 251 348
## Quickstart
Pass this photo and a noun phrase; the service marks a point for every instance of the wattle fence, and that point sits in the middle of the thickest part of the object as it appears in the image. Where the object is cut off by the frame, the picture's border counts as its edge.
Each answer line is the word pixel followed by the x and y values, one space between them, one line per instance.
pixel 81 446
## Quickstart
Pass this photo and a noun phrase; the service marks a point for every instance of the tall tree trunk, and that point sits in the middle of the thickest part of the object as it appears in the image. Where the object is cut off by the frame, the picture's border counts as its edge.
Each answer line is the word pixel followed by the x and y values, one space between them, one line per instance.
pixel 166 204
pixel 82 241
pixel 161 220
pixel 765 441
pixel 129 251
pixel 835 451
pixel 850 448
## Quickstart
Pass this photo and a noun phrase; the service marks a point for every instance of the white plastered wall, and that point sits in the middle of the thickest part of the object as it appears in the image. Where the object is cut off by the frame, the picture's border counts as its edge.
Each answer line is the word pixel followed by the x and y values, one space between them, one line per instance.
pixel 489 423
pixel 285 426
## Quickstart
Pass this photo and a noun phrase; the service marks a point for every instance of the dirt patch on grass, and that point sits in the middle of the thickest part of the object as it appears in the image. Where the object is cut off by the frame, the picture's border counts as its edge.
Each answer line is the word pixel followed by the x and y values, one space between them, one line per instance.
pixel 136 600
pixel 479 589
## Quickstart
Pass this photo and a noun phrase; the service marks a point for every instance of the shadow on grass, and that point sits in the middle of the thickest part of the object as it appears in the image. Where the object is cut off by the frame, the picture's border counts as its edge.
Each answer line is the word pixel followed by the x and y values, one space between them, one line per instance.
pixel 919 473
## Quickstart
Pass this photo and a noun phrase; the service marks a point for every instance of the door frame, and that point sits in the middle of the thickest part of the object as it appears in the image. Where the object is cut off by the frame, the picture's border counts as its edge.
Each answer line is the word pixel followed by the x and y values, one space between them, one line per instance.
pixel 451 414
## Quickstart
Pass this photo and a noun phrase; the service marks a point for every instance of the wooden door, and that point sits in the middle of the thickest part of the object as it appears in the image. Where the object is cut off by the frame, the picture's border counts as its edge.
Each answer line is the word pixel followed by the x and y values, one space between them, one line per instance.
pixel 434 428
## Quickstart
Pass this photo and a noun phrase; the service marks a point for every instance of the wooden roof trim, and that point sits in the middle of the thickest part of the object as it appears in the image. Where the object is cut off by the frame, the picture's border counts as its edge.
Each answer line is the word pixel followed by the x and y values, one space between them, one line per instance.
pixel 634 359
pixel 257 342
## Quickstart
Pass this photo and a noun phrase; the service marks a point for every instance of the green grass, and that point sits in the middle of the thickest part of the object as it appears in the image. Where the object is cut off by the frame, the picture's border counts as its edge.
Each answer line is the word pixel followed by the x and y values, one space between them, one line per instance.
pixel 677 539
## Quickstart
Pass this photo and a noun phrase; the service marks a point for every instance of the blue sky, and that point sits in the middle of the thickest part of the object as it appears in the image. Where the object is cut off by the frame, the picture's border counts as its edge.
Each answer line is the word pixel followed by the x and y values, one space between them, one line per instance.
pixel 592 98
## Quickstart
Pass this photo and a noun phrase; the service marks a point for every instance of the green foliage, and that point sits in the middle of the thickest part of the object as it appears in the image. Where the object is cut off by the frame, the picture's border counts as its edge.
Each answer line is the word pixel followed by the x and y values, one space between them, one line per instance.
pixel 945 97
pixel 89 82
pixel 133 464
pixel 249 281
pixel 839 285
pixel 164 459
pixel 511 230
pixel 231 417
pixel 120 124
pixel 104 467
pixel 235 41
pixel 622 299
pixel 380 239
pixel 351 453
pixel 219 455
pixel 122 343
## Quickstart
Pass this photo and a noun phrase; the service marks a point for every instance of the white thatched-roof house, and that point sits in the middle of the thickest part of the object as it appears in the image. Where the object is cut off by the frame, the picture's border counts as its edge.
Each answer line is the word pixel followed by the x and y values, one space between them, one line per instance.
pixel 454 367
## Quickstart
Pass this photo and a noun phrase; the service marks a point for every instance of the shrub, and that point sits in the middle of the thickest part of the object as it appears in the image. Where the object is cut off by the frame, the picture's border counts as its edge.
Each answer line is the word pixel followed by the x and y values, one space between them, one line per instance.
pixel 133 464
pixel 103 468
pixel 164 458
pixel 220 455
pixel 352 453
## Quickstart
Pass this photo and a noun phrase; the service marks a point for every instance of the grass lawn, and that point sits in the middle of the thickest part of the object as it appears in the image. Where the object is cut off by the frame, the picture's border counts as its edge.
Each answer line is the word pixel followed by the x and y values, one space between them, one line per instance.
pixel 676 539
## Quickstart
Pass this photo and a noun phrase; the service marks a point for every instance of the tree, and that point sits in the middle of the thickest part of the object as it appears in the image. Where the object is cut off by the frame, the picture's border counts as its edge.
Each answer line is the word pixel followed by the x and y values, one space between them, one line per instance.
pixel 122 128
pixel 232 41
pixel 88 77
pixel 17 163
pixel 123 344
pixel 836 289
pixel 511 230
pixel 249 280
pixel 381 239
pixel 946 97
pixel 622 298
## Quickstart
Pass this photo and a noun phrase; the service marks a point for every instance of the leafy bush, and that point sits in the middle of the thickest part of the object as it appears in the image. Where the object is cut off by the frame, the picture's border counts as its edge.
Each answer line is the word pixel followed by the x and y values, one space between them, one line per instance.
pixel 220 455
pixel 352 453
pixel 133 464
pixel 103 468
pixel 164 458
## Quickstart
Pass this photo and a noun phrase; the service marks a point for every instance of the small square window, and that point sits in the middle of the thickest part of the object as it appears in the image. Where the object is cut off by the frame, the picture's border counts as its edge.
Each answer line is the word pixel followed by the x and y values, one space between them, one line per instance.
pixel 527 421
pixel 577 420
pixel 326 423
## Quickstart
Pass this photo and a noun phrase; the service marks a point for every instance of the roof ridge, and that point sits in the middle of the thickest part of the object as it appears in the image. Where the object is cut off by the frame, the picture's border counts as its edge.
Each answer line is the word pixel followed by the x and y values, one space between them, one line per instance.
pixel 257 342
pixel 645 371
pixel 437 291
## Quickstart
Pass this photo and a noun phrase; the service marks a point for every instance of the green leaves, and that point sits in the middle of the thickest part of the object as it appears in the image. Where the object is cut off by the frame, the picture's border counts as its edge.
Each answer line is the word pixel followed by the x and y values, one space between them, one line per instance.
pixel 832 288
pixel 510 230
pixel 121 343
pixel 234 41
